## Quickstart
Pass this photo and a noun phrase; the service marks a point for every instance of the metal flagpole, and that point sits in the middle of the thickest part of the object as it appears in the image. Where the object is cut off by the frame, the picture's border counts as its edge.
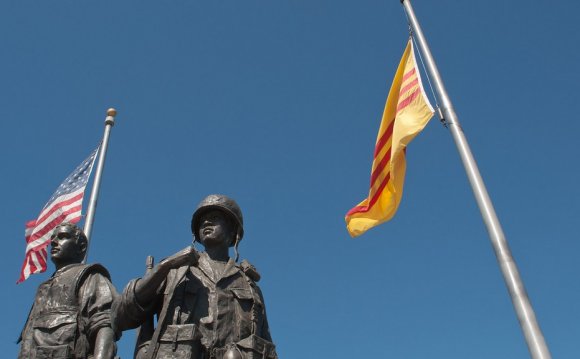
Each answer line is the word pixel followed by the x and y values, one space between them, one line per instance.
pixel 525 312
pixel 109 123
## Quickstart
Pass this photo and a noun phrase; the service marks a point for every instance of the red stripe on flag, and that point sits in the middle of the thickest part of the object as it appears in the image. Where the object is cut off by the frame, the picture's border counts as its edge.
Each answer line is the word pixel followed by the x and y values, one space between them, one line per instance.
pixel 357 209
pixel 384 138
pixel 379 190
pixel 409 86
pixel 58 205
pixel 31 264
pixel 28 230
pixel 380 167
pixel 374 199
pixel 408 100
pixel 24 265
pixel 39 246
pixel 42 258
pixel 408 74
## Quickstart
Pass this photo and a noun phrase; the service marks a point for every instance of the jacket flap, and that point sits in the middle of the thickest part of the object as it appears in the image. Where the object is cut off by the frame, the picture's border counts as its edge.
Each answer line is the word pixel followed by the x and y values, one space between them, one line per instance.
pixel 53 320
pixel 257 344
pixel 179 333
pixel 242 293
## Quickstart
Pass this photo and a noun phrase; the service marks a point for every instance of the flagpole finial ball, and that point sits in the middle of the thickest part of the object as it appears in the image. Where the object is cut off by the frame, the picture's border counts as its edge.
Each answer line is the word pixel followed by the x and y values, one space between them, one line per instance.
pixel 111 112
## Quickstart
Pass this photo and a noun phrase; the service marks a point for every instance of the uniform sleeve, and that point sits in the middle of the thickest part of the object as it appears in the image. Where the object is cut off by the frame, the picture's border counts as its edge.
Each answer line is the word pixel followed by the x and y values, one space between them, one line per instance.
pixel 97 295
pixel 265 329
pixel 129 313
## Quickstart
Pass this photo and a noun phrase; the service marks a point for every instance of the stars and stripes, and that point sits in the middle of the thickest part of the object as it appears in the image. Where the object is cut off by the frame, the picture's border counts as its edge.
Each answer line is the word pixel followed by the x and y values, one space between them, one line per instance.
pixel 64 205
pixel 407 111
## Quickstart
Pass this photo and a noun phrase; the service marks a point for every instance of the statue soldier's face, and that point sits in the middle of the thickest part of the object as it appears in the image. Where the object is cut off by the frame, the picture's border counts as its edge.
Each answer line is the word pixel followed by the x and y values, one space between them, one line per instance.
pixel 64 246
pixel 215 230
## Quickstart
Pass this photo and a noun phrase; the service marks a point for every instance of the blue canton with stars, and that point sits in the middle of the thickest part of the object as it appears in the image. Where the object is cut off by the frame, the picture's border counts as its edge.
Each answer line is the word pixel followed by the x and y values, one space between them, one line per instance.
pixel 77 179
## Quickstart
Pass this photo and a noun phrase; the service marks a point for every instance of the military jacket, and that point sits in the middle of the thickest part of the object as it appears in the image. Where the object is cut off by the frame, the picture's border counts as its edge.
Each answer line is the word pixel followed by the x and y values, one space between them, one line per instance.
pixel 68 311
pixel 202 312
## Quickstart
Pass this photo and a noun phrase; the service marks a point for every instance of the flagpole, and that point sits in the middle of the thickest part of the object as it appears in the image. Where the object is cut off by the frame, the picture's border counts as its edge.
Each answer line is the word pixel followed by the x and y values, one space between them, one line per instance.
pixel 109 123
pixel 530 327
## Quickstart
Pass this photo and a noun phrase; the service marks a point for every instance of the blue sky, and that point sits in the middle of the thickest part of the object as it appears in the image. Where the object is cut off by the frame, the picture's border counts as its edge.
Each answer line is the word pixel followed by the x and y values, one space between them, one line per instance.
pixel 277 104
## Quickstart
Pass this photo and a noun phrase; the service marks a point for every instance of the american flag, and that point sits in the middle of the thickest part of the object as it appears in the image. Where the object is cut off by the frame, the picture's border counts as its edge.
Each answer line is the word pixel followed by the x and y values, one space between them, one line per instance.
pixel 64 205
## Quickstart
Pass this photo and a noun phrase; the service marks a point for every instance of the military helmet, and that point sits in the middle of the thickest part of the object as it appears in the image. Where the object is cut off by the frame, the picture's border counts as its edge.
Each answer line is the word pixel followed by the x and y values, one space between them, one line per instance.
pixel 222 203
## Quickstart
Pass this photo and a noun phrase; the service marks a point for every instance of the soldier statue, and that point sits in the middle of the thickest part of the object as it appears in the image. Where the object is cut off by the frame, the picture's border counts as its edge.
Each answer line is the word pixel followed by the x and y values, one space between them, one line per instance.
pixel 207 305
pixel 71 314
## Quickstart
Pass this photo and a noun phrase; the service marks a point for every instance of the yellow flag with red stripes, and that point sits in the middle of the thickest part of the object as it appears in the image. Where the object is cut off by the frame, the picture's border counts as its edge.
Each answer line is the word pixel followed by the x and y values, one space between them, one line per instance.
pixel 407 111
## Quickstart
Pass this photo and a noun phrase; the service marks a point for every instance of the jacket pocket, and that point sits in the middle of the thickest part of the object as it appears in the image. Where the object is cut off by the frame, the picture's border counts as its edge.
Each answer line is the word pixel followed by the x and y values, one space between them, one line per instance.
pixel 53 352
pixel 255 347
pixel 244 304
pixel 243 294
pixel 179 341
pixel 55 329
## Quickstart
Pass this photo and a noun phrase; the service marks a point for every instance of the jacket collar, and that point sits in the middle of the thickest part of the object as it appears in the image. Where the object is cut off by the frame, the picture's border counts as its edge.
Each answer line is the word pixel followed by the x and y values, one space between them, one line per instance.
pixel 205 266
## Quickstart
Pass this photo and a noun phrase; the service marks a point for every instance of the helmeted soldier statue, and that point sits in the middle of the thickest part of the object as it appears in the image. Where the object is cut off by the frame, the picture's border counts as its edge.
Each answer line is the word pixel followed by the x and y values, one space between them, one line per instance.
pixel 71 314
pixel 207 305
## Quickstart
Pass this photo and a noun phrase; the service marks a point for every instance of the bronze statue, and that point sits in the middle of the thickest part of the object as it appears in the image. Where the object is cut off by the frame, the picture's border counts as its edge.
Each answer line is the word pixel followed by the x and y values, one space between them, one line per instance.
pixel 71 314
pixel 207 305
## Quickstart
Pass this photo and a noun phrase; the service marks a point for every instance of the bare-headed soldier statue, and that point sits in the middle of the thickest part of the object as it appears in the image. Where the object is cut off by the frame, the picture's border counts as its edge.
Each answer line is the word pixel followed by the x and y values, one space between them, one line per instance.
pixel 71 314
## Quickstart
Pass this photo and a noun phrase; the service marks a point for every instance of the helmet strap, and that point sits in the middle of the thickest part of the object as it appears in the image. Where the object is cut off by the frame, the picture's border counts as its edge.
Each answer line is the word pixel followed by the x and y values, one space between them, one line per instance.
pixel 194 240
pixel 236 247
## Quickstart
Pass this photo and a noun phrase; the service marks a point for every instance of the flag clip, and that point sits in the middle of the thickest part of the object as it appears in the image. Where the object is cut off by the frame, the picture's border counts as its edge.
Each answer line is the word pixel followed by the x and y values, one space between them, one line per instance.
pixel 441 117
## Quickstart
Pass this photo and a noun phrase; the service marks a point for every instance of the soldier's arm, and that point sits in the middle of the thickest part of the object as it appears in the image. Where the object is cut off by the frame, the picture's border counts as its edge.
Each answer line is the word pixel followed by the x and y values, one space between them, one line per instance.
pixel 105 344
pixel 143 296
pixel 265 327
pixel 97 294
pixel 146 288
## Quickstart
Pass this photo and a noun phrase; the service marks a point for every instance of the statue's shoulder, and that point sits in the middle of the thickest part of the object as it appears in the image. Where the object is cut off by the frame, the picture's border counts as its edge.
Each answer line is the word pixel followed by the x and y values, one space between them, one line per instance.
pixel 81 269
pixel 249 270
pixel 96 268
pixel 77 273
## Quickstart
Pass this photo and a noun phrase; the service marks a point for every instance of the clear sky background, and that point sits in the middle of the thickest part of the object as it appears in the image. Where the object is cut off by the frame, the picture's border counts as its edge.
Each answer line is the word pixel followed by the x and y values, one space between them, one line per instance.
pixel 277 104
